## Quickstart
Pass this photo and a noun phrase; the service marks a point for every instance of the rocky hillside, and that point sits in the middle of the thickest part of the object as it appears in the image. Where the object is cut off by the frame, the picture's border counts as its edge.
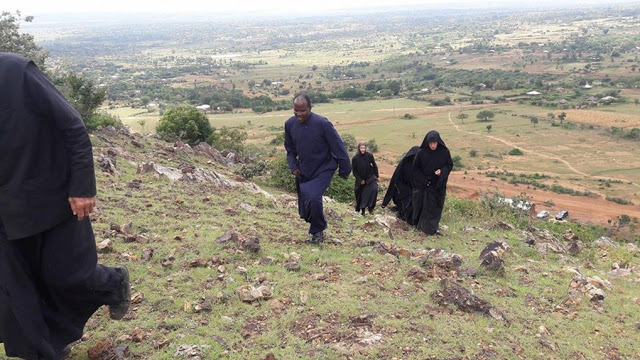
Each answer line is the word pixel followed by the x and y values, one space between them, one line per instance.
pixel 220 270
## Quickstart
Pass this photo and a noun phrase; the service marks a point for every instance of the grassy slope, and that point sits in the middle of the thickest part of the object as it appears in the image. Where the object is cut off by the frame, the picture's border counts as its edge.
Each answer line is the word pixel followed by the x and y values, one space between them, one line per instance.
pixel 351 287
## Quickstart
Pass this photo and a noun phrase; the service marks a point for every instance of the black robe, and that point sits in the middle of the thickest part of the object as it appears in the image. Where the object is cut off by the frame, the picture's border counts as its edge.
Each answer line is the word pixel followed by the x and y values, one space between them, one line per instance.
pixel 429 190
pixel 401 185
pixel 50 283
pixel 365 168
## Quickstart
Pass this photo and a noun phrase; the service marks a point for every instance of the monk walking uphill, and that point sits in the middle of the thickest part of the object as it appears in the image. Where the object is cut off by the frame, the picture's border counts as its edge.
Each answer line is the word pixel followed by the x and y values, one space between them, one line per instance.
pixel 431 168
pixel 365 170
pixel 314 152
pixel 50 281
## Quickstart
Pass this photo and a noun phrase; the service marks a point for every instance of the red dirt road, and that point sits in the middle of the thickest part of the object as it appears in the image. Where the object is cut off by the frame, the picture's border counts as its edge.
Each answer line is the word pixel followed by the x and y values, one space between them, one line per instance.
pixel 581 208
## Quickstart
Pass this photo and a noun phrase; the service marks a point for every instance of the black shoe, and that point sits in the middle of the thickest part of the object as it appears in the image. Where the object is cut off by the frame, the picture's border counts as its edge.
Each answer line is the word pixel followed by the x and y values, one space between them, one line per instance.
pixel 363 209
pixel 64 353
pixel 119 310
pixel 371 211
pixel 316 238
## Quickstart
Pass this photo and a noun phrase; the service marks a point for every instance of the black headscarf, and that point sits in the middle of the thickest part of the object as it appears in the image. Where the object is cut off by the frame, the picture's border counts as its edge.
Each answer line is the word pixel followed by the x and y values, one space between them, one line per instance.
pixel 427 161
pixel 432 136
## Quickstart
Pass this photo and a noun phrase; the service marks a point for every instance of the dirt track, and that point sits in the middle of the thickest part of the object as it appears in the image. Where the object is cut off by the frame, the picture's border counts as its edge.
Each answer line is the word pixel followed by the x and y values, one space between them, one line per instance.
pixel 581 208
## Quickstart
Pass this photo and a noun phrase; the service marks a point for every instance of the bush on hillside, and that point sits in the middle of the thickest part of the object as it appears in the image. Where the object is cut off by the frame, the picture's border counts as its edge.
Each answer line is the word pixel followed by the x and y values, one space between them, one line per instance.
pixel 280 177
pixel 229 138
pixel 516 152
pixel 101 120
pixel 184 124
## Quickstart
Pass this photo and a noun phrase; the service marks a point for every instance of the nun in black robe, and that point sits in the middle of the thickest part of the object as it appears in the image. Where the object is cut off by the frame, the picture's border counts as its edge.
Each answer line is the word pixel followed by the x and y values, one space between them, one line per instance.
pixel 365 170
pixel 50 282
pixel 401 186
pixel 431 168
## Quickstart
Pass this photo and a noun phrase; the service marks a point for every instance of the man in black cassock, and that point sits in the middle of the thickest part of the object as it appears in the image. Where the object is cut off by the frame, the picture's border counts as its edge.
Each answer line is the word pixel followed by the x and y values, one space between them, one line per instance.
pixel 365 170
pixel 314 152
pixel 431 168
pixel 50 282
pixel 401 186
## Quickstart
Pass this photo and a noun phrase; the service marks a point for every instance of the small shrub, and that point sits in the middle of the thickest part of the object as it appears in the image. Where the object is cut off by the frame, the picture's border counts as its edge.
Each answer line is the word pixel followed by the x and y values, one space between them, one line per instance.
pixel 618 200
pixel 457 162
pixel 250 170
pixel 101 120
pixel 473 153
pixel 516 152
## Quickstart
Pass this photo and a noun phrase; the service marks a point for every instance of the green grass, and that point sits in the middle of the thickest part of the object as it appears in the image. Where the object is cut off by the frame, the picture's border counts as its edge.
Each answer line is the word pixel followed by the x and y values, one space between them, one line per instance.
pixel 342 281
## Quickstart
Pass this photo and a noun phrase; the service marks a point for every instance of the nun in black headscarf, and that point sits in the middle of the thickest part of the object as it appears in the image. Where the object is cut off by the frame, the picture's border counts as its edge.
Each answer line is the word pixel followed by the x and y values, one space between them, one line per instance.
pixel 431 168
pixel 401 186
pixel 365 171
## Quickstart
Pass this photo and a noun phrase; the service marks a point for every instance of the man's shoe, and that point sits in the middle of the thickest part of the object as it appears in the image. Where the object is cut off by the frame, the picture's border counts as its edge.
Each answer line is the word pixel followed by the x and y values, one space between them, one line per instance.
pixel 316 238
pixel 64 353
pixel 371 211
pixel 119 310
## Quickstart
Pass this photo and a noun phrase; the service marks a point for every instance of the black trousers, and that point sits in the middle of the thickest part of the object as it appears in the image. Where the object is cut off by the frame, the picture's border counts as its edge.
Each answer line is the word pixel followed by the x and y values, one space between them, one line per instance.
pixel 50 285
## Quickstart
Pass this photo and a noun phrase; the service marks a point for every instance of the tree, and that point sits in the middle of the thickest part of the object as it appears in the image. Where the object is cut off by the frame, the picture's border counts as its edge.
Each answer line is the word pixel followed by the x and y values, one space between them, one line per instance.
pixel 184 124
pixel 462 116
pixel 489 128
pixel 534 121
pixel 350 142
pixel 229 138
pixel 372 147
pixel 562 116
pixel 11 40
pixel 551 115
pixel 485 115
pixel 82 94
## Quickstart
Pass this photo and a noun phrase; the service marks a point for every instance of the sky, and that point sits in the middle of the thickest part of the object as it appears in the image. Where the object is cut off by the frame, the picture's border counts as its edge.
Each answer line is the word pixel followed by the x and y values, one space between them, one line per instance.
pixel 35 7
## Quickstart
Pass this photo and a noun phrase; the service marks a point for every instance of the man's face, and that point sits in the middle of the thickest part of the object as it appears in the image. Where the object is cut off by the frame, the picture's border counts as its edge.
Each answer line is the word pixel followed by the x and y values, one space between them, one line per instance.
pixel 301 110
pixel 362 148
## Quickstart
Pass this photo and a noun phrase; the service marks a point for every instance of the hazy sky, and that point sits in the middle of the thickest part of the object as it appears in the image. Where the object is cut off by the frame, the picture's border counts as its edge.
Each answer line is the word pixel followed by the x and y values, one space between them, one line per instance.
pixel 168 6
pixel 34 7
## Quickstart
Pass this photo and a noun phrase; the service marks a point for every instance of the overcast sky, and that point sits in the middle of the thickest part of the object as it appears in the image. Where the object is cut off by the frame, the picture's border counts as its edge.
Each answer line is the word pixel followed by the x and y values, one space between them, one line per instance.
pixel 35 7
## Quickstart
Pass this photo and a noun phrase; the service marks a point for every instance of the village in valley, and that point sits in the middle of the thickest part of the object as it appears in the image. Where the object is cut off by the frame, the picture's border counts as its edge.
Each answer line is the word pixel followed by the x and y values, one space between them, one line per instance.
pixel 539 256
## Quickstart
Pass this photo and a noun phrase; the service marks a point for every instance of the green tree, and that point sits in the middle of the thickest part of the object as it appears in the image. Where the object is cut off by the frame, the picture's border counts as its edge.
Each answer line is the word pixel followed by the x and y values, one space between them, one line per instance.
pixel 462 116
pixel 185 124
pixel 372 147
pixel 229 138
pixel 82 94
pixel 562 116
pixel 489 128
pixel 534 121
pixel 11 40
pixel 485 115
pixel 350 142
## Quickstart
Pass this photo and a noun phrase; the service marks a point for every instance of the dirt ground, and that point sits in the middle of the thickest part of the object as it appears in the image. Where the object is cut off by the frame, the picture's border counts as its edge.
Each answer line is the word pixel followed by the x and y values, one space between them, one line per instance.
pixel 581 208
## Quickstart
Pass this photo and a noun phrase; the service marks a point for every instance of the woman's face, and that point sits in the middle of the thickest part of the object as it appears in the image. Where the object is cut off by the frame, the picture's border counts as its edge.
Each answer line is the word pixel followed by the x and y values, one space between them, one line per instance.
pixel 433 145
pixel 362 149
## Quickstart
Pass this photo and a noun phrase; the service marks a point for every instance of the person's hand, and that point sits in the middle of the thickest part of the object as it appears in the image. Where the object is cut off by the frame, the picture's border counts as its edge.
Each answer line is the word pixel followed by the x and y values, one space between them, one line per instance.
pixel 82 207
pixel 296 172
pixel 438 172
pixel 362 182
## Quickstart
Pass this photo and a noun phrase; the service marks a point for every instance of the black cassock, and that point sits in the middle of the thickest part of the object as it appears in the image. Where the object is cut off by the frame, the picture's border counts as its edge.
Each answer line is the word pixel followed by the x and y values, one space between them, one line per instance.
pixel 429 190
pixel 365 168
pixel 401 185
pixel 50 282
